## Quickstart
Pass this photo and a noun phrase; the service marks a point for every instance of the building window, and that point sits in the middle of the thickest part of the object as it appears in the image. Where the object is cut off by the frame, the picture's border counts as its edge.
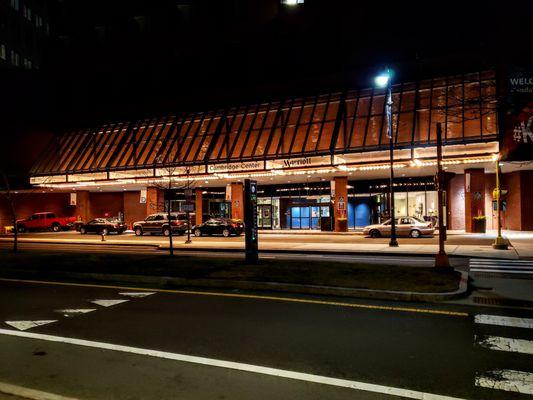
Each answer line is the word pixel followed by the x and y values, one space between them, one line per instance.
pixel 26 11
pixel 38 21
pixel 15 58
pixel 27 64
pixel 2 51
pixel 15 4
pixel 292 2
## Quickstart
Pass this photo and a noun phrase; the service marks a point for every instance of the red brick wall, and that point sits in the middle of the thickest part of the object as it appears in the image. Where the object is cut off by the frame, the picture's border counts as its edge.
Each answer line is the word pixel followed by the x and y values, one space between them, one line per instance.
pixel 237 198
pixel 492 216
pixel 29 203
pixel 513 215
pixel 526 184
pixel 456 203
pixel 106 203
pixel 474 206
pixel 341 190
pixel 133 209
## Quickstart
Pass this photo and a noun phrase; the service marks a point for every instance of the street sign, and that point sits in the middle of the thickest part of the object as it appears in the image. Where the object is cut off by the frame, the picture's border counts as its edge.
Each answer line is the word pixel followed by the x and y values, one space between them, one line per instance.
pixel 250 221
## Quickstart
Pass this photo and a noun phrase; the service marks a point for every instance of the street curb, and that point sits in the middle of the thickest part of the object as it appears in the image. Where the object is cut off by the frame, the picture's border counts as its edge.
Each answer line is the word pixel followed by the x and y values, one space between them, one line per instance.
pixel 266 251
pixel 169 282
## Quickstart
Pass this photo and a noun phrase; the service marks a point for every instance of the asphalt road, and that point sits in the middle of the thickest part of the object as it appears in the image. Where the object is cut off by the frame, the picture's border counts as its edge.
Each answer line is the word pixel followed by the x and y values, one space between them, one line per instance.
pixel 424 348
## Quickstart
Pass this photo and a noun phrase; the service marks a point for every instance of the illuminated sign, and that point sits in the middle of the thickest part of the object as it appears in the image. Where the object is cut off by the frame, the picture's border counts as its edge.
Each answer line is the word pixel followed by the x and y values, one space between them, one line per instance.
pixel 300 162
pixel 238 166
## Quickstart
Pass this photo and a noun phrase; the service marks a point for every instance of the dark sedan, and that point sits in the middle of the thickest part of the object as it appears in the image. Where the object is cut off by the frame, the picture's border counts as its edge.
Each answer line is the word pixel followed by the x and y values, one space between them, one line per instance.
pixel 219 226
pixel 103 226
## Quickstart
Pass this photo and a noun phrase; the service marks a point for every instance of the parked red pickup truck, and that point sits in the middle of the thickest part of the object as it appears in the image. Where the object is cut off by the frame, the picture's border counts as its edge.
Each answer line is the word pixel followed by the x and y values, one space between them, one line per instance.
pixel 45 220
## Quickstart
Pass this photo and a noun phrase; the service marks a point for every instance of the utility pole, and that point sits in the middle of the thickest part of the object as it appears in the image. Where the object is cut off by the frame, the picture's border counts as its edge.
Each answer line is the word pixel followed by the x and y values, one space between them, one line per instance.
pixel 188 205
pixel 441 259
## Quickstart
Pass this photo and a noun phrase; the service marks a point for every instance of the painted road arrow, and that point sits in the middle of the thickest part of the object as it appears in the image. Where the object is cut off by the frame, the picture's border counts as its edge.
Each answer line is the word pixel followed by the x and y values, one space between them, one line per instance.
pixel 136 294
pixel 24 325
pixel 108 303
pixel 69 312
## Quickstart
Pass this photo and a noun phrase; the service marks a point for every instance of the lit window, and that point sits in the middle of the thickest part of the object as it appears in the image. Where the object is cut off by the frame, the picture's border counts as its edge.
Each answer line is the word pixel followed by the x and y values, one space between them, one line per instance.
pixel 26 63
pixel 292 2
pixel 38 21
pixel 15 58
pixel 2 51
pixel 26 11
pixel 15 4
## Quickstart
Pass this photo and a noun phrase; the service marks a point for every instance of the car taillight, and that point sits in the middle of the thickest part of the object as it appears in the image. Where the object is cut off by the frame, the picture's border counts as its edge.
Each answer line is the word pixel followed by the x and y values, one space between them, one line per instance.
pixel 115 226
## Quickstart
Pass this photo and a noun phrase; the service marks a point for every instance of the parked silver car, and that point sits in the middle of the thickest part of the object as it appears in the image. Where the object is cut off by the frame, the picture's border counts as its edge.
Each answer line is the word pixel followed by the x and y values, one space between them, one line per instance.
pixel 405 226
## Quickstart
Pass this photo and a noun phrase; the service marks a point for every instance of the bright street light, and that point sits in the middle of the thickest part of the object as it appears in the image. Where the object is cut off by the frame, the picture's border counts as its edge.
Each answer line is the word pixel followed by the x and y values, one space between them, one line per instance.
pixel 382 80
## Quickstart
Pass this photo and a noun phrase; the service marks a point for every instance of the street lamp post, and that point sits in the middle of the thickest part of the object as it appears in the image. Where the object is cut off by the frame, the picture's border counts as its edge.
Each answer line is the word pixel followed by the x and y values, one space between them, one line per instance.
pixel 500 243
pixel 385 80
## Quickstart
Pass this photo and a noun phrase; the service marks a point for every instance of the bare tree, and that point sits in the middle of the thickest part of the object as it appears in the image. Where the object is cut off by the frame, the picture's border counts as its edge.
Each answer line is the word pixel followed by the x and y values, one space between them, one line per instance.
pixel 167 182
pixel 9 196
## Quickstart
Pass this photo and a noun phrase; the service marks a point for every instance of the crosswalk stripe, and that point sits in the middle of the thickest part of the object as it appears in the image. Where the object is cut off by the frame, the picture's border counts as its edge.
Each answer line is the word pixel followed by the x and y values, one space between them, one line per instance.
pixel 501 320
pixel 509 266
pixel 505 344
pixel 508 380
pixel 497 261
pixel 502 271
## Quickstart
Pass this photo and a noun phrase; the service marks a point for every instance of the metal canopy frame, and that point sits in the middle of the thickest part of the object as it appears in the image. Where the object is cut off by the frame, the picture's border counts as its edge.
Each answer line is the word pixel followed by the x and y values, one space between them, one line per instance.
pixel 293 127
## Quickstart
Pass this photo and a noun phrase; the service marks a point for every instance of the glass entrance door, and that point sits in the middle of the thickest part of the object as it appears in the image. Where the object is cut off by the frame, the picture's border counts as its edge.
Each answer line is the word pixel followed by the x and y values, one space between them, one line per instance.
pixel 264 216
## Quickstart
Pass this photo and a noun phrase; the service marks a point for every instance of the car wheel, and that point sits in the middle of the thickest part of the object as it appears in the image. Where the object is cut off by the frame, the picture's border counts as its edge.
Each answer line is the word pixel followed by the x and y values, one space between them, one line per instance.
pixel 138 231
pixel 166 231
pixel 83 231
pixel 21 229
pixel 415 233
pixel 197 232
pixel 374 233
pixel 105 231
pixel 56 227
pixel 226 233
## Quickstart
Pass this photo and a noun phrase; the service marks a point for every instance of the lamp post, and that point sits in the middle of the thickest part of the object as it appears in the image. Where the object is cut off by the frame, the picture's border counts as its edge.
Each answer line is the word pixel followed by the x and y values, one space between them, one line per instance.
pixel 385 80
pixel 500 243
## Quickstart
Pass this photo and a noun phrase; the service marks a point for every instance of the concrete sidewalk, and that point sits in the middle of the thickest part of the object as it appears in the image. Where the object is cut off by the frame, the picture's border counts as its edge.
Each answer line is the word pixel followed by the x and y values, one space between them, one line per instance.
pixel 480 251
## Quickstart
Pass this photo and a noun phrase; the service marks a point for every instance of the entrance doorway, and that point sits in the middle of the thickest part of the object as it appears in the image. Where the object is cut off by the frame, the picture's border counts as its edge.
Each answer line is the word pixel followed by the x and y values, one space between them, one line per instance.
pixel 305 217
pixel 264 216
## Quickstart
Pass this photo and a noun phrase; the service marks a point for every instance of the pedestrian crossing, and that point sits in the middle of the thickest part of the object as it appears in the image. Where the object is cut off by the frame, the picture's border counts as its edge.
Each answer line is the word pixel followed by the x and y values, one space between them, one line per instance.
pixel 510 380
pixel 522 267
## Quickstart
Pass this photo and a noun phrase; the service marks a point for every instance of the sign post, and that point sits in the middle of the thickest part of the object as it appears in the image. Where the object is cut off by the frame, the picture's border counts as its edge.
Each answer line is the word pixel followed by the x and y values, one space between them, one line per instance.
pixel 250 221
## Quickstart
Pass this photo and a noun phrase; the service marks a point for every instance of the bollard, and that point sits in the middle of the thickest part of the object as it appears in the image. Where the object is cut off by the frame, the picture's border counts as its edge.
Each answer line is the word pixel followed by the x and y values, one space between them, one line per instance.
pixel 103 236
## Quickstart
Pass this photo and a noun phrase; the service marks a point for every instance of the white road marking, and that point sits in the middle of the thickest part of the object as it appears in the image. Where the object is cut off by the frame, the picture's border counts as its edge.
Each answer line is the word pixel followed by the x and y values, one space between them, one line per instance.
pixel 26 393
pixel 504 321
pixel 23 325
pixel 136 294
pixel 108 303
pixel 508 380
pixel 501 271
pixel 300 376
pixel 506 344
pixel 75 311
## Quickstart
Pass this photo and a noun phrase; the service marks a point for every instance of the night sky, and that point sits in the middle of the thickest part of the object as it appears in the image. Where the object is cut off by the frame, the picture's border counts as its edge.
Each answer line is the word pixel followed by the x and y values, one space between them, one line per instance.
pixel 109 60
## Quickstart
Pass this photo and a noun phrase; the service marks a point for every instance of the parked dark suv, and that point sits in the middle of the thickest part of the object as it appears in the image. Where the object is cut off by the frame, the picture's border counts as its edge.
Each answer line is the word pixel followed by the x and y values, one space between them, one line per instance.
pixel 158 224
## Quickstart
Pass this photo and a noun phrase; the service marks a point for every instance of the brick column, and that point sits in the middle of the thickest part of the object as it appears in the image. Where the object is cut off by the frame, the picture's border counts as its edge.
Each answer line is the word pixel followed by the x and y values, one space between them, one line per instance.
pixel 340 204
pixel 198 205
pixel 474 196
pixel 83 206
pixel 237 198
pixel 155 200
